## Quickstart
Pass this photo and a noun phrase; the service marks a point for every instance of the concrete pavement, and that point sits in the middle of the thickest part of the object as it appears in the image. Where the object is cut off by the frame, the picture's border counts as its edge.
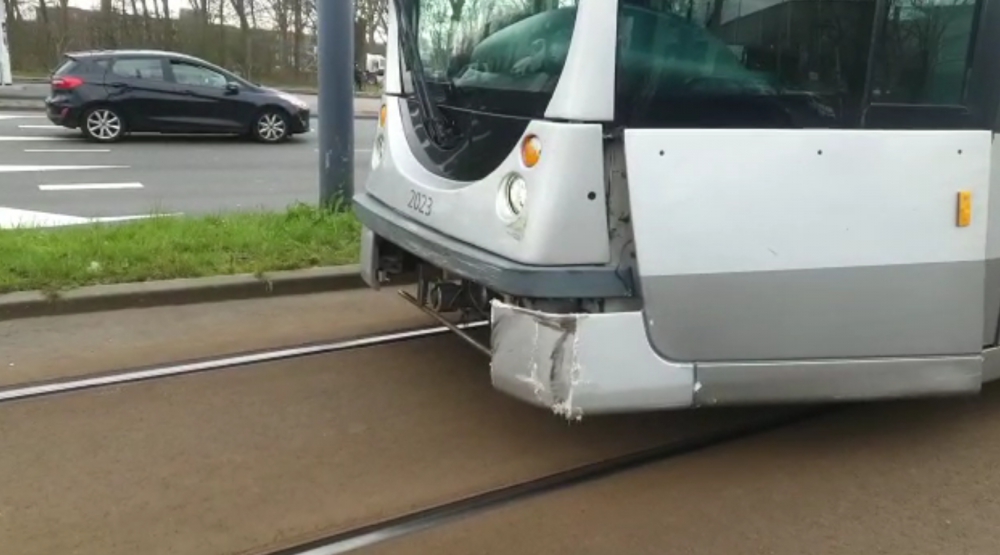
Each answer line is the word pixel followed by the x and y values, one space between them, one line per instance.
pixel 253 458
pixel 913 477
pixel 173 174
pixel 57 347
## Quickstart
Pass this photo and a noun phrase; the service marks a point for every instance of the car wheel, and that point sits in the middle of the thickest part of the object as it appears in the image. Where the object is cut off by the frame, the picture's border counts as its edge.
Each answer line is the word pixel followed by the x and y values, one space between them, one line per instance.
pixel 103 125
pixel 271 126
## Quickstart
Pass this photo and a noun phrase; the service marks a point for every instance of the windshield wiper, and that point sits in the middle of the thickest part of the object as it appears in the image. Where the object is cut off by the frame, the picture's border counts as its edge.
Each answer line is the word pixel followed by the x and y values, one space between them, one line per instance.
pixel 440 128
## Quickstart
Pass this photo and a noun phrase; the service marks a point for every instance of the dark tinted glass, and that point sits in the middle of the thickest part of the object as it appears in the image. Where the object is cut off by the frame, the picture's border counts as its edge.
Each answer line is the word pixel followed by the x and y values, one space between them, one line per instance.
pixel 139 68
pixel 65 67
pixel 84 65
pixel 925 52
pixel 743 63
pixel 190 74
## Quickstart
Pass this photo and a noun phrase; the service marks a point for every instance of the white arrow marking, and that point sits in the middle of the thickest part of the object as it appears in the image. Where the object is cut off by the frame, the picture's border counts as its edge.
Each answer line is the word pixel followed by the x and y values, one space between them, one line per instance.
pixel 14 169
pixel 11 218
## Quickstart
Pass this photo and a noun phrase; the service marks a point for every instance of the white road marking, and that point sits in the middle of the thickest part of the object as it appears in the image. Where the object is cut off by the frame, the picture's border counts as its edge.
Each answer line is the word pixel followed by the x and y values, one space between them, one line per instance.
pixel 66 150
pixel 26 138
pixel 20 116
pixel 104 219
pixel 39 127
pixel 11 218
pixel 14 169
pixel 89 186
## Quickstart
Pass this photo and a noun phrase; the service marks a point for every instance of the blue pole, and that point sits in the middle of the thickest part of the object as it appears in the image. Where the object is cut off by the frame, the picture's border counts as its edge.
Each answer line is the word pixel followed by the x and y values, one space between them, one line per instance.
pixel 335 66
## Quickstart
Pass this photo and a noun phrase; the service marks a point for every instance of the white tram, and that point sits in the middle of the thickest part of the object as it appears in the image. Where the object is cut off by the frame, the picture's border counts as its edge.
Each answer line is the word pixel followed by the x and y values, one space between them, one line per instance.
pixel 662 204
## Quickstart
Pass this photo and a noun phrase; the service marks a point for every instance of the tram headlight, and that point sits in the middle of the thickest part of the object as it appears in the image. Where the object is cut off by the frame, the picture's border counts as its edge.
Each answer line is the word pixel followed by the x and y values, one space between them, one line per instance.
pixel 513 196
pixel 378 151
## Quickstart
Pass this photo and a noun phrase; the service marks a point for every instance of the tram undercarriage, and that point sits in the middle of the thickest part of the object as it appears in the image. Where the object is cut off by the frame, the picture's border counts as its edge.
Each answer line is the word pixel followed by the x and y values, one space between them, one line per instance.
pixel 562 357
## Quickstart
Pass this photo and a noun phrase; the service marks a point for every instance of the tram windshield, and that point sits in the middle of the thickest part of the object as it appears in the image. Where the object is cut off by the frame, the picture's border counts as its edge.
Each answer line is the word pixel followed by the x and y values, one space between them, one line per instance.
pixel 498 56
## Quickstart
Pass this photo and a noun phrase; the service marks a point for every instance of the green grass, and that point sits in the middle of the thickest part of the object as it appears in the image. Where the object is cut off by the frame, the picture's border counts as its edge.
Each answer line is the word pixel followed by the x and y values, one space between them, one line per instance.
pixel 168 247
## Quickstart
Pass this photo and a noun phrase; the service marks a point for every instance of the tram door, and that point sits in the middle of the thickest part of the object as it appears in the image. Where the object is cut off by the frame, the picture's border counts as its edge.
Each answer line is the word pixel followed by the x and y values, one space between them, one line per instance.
pixel 812 219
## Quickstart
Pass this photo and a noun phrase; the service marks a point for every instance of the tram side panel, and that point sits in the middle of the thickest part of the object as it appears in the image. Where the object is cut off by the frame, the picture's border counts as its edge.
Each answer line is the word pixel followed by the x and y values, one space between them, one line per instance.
pixel 991 370
pixel 823 253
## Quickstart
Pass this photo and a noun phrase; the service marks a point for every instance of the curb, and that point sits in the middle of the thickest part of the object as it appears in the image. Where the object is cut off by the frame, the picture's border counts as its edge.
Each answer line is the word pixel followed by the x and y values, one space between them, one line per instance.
pixel 28 105
pixel 102 298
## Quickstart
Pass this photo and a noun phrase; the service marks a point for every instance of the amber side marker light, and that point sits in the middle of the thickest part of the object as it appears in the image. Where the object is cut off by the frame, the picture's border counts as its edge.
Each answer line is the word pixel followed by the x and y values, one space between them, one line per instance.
pixel 964 208
pixel 531 151
pixel 381 116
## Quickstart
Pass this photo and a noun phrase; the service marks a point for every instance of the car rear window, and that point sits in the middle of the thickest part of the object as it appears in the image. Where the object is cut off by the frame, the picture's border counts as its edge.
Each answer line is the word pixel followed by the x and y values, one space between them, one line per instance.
pixel 67 65
pixel 73 65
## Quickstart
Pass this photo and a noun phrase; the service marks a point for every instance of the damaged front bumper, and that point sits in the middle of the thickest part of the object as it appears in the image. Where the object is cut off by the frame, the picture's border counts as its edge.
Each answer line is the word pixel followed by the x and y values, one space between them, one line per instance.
pixel 582 363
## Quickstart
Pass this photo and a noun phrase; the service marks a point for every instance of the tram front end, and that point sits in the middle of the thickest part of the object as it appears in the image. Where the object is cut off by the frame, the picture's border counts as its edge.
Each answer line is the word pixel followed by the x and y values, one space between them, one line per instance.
pixel 654 211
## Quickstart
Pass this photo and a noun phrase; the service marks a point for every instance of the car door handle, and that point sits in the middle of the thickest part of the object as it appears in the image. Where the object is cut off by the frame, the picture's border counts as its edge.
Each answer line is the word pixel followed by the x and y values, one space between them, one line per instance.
pixel 118 85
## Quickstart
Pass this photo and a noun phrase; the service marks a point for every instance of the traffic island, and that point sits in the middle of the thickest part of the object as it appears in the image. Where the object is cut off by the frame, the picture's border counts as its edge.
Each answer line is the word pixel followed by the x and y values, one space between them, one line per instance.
pixel 166 260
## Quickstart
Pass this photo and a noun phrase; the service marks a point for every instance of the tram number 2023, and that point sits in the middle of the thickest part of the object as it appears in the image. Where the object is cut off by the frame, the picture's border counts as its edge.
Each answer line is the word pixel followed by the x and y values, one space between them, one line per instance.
pixel 420 203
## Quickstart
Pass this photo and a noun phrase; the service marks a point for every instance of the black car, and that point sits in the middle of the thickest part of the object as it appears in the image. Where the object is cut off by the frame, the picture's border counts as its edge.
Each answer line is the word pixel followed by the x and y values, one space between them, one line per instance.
pixel 110 93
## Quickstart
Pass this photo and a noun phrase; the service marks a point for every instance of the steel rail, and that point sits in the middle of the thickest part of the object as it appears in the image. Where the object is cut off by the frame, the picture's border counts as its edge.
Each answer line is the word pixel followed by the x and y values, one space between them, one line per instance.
pixel 39 389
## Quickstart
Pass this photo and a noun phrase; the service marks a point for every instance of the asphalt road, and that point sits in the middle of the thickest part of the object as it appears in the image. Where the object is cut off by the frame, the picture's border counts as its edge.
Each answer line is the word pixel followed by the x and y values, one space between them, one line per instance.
pixel 173 174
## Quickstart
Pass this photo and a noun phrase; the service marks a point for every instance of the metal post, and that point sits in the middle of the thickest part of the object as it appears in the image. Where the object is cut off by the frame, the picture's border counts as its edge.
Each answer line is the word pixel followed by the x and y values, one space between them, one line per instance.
pixel 336 100
pixel 5 74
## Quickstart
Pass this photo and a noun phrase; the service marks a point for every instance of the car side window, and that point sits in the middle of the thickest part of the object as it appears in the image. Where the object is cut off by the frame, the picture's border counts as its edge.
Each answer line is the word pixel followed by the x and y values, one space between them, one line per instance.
pixel 193 75
pixel 139 68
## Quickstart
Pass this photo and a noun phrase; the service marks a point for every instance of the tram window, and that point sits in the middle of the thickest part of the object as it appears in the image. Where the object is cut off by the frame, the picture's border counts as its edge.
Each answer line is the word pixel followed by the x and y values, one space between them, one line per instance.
pixel 924 52
pixel 743 63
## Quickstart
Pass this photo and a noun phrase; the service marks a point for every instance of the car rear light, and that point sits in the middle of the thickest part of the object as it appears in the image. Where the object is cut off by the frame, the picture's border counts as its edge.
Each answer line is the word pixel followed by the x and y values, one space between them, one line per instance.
pixel 66 83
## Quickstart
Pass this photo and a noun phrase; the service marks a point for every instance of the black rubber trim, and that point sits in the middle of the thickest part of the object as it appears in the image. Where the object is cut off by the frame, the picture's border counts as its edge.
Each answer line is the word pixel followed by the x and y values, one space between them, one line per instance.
pixel 490 270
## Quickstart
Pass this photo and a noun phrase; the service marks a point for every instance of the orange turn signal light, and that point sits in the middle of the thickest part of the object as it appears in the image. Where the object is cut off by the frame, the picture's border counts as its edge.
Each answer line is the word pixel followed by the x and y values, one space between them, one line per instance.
pixel 531 151
pixel 381 116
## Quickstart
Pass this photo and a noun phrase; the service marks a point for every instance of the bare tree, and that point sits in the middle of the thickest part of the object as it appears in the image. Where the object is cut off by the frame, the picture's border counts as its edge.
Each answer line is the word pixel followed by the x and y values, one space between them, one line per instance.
pixel 270 40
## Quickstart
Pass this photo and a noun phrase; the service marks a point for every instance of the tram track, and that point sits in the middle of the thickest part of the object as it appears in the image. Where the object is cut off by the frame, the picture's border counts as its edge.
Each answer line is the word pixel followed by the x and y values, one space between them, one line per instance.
pixel 446 513
pixel 389 432
pixel 223 362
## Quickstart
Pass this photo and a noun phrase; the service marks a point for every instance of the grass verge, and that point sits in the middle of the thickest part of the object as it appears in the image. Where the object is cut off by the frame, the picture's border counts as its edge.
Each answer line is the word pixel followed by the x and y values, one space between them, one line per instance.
pixel 169 247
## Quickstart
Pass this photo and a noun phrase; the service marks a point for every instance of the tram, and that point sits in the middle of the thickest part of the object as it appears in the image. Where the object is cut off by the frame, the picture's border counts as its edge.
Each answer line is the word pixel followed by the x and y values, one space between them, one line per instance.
pixel 666 204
